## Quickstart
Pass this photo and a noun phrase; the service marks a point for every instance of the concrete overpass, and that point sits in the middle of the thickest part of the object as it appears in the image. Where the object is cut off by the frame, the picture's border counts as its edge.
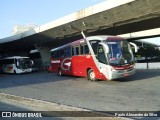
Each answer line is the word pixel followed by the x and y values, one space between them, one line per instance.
pixel 111 17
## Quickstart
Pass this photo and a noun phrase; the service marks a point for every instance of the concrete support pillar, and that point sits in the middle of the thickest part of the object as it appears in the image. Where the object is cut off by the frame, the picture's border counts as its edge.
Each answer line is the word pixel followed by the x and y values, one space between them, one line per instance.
pixel 45 54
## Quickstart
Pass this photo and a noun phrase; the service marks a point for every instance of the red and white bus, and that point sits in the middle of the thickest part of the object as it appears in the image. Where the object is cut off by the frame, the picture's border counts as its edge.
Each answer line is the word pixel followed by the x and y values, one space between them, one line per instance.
pixel 95 57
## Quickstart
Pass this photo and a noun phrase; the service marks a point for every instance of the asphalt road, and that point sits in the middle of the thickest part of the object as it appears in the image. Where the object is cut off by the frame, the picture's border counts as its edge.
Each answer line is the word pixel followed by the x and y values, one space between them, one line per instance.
pixel 140 92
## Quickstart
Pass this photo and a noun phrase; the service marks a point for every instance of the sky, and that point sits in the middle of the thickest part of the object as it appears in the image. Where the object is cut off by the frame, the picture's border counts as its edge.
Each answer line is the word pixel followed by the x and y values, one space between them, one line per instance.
pixel 39 12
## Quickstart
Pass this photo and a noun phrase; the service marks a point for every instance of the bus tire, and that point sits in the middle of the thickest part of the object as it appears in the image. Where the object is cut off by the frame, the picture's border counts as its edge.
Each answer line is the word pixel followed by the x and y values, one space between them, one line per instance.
pixel 60 72
pixel 91 75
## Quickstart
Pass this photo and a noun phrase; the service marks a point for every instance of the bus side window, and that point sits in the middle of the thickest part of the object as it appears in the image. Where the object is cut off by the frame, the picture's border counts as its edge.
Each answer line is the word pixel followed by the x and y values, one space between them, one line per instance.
pixel 95 46
pixel 56 54
pixel 101 55
pixel 82 51
pixel 75 50
pixel 9 61
pixel 53 54
pixel 62 53
pixel 67 52
pixel 86 49
pixel 17 62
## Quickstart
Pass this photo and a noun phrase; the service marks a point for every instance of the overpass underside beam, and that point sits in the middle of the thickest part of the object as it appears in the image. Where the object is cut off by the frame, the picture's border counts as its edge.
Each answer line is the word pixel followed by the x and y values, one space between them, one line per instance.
pixel 134 16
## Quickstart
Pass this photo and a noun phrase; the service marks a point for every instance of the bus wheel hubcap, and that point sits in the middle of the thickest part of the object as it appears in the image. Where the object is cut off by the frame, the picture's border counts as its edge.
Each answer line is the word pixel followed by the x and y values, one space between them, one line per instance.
pixel 92 75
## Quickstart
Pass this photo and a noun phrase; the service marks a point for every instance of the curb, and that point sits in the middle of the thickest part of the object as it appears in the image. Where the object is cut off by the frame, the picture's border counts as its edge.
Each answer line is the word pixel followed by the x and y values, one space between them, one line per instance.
pixel 50 106
pixel 44 105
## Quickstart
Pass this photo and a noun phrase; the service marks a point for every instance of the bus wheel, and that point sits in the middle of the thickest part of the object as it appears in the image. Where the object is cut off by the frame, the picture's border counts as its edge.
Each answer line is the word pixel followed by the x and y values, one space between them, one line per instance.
pixel 60 72
pixel 91 75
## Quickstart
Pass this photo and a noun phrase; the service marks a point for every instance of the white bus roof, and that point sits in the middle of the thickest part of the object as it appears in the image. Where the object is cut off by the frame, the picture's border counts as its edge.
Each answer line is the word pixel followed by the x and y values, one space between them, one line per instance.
pixel 100 37
pixel 34 51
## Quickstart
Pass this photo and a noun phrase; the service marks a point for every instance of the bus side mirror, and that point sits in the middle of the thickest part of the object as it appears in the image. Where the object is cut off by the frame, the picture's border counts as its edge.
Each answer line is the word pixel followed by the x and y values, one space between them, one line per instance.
pixel 17 63
pixel 32 63
pixel 105 47
pixel 135 46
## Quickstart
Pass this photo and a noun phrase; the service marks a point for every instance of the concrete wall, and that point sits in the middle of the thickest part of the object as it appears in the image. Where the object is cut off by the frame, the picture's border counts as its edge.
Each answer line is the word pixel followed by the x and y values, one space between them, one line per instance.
pixel 150 65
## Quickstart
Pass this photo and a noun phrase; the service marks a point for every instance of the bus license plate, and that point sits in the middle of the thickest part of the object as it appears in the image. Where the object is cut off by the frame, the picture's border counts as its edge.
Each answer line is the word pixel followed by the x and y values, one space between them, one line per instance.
pixel 126 75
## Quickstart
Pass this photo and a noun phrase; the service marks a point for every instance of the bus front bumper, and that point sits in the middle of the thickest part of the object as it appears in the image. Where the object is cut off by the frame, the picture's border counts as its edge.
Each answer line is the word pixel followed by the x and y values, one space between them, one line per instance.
pixel 25 70
pixel 121 73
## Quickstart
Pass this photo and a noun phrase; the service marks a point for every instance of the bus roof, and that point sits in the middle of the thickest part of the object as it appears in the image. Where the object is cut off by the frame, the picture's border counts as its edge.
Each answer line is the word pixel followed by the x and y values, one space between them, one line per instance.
pixel 98 37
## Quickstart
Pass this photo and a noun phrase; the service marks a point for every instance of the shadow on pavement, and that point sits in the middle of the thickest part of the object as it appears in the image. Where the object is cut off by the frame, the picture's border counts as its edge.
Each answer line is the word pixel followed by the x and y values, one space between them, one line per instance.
pixel 10 80
pixel 140 75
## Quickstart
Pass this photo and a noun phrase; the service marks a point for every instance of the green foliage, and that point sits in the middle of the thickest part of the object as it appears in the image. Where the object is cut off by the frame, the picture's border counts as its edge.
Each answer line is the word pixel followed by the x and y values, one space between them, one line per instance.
pixel 148 51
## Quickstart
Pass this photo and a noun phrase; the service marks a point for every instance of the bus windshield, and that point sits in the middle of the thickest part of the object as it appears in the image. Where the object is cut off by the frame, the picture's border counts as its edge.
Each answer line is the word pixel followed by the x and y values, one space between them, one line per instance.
pixel 120 53
pixel 24 63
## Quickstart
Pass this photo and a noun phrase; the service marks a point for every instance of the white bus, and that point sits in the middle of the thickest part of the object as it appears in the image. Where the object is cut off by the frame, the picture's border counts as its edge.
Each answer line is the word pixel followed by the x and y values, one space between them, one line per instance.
pixel 16 65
